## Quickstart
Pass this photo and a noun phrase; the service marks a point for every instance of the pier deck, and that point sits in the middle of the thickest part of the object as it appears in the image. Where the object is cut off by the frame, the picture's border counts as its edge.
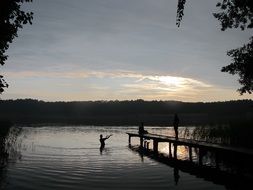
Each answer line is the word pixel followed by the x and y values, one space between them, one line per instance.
pixel 192 143
pixel 219 150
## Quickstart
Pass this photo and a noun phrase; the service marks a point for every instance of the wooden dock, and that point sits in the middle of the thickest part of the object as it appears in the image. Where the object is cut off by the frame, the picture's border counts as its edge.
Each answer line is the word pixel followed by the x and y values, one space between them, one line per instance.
pixel 201 146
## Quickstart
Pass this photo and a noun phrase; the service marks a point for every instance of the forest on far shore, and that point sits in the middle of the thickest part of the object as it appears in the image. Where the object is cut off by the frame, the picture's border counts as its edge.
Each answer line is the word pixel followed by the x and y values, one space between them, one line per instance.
pixel 132 112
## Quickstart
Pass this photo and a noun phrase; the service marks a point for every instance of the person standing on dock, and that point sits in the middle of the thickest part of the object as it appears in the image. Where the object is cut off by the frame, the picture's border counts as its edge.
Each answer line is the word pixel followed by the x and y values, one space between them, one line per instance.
pixel 141 129
pixel 175 124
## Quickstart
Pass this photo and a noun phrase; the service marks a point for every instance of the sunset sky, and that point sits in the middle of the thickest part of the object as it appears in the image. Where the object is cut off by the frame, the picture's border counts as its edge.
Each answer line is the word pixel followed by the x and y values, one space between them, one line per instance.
pixel 122 49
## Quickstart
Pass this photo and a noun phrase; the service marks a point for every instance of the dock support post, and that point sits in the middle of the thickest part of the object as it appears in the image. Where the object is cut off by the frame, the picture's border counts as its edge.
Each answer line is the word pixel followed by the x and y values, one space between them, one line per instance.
pixel 145 144
pixel 141 142
pixel 155 146
pixel 190 153
pixel 170 154
pixel 129 140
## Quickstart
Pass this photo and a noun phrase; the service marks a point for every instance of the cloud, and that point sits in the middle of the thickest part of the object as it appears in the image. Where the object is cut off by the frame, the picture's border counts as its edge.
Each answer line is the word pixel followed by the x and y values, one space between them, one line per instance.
pixel 172 82
pixel 140 77
pixel 111 85
pixel 125 80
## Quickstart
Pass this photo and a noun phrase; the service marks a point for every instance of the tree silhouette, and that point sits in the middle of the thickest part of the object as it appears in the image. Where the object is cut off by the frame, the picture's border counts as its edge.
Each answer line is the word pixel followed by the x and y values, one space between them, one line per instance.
pixel 242 65
pixel 12 18
pixel 234 14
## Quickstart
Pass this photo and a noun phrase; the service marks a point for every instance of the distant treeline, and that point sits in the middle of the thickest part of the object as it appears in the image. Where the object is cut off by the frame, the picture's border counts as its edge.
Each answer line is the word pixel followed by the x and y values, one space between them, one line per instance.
pixel 28 111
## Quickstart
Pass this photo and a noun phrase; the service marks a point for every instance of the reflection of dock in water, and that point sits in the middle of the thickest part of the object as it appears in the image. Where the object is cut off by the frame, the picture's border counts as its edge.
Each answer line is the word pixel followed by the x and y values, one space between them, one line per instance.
pixel 230 181
pixel 236 161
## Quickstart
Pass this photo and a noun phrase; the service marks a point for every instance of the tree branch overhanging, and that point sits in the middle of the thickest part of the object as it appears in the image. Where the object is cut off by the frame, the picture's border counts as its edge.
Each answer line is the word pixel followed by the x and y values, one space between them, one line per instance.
pixel 234 14
pixel 12 18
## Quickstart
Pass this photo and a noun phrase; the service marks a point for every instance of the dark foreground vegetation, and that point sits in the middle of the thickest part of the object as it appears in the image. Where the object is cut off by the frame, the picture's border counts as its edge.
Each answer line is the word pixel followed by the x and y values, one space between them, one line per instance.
pixel 236 133
pixel 8 136
pixel 161 113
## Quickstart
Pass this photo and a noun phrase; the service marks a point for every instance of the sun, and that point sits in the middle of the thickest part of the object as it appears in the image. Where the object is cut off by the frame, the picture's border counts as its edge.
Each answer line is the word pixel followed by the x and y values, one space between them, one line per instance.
pixel 172 81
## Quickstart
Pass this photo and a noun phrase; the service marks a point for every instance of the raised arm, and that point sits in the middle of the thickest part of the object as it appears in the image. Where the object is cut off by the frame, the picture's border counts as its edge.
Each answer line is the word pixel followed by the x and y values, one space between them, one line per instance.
pixel 108 136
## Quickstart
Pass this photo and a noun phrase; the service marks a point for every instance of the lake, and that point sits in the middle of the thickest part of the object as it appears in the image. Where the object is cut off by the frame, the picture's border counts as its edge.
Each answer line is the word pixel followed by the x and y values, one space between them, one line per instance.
pixel 70 158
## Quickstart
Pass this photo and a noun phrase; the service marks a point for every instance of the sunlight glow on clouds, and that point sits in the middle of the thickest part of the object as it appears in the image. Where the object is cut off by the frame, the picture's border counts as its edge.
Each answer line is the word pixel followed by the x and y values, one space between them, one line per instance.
pixel 170 83
pixel 117 84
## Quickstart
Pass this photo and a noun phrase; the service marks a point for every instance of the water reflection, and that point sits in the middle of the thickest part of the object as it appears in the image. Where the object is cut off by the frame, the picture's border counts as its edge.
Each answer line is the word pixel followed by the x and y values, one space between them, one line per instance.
pixel 104 151
pixel 176 175
pixel 230 180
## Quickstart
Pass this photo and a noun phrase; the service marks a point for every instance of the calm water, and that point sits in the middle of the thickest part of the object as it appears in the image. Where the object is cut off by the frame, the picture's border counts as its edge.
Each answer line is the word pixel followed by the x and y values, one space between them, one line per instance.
pixel 69 158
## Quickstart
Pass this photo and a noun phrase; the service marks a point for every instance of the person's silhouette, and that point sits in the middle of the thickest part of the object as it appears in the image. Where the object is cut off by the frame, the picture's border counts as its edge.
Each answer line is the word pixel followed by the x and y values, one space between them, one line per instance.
pixel 141 129
pixel 102 141
pixel 175 124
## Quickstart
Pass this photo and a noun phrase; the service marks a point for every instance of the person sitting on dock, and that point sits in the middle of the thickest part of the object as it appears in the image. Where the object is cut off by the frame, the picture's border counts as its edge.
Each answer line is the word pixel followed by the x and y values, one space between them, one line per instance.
pixel 175 124
pixel 141 129
pixel 102 140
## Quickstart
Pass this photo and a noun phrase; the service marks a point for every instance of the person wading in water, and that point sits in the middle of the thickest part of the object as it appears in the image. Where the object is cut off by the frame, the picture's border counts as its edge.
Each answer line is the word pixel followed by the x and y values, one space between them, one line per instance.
pixel 102 141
